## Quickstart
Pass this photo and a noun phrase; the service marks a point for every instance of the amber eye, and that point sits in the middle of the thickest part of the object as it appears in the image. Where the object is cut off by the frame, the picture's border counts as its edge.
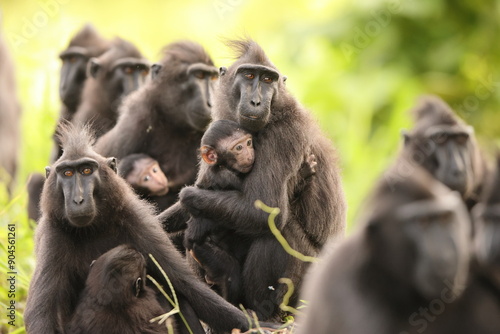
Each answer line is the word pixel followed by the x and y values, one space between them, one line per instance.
pixel 249 76
pixel 445 217
pixel 87 171
pixel 440 138
pixel 68 173
pixel 144 72
pixel 128 70
pixel 249 142
pixel 200 75
pixel 214 77
pixel 424 221
pixel 267 79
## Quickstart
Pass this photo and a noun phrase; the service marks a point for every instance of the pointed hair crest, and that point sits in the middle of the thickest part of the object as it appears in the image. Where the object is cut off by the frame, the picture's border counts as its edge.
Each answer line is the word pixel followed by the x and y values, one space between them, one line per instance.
pixel 78 139
pixel 187 52
pixel 249 51
pixel 432 107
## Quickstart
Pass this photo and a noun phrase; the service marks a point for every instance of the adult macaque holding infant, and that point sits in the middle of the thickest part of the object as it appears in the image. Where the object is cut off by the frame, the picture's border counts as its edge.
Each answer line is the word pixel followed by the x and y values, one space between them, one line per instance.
pixel 253 93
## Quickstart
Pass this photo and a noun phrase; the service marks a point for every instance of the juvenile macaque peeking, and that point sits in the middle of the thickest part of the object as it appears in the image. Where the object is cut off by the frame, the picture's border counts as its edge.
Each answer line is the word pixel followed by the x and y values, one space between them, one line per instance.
pixel 144 174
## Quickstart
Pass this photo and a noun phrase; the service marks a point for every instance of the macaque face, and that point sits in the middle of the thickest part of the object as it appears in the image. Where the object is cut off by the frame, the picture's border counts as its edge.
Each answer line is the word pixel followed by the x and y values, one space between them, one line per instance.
pixel 148 176
pixel 243 152
pixel 235 152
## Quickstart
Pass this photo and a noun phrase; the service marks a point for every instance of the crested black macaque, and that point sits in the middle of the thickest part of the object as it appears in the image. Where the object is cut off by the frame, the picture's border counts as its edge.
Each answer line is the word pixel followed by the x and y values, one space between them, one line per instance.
pixel 252 92
pixel 478 308
pixel 10 120
pixel 166 118
pixel 410 258
pixel 112 76
pixel 86 44
pixel 227 154
pixel 144 174
pixel 446 146
pixel 116 298
pixel 87 209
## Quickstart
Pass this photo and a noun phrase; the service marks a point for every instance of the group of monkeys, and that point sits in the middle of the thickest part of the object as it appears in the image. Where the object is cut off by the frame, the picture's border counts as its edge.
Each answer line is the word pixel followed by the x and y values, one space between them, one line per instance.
pixel 168 159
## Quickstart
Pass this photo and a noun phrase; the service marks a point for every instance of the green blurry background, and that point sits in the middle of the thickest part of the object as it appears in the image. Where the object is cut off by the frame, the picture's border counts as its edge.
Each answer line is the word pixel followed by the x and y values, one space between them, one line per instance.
pixel 357 65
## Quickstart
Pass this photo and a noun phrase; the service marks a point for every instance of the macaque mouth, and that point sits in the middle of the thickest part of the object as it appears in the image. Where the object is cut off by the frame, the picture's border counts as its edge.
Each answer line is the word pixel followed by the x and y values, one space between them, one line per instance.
pixel 252 118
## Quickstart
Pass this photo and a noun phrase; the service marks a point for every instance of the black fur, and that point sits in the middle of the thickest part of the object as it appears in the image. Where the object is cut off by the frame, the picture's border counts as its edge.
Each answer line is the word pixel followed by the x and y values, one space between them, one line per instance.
pixel 383 278
pixel 103 93
pixel 307 219
pixel 165 120
pixel 115 298
pixel 465 168
pixel 65 251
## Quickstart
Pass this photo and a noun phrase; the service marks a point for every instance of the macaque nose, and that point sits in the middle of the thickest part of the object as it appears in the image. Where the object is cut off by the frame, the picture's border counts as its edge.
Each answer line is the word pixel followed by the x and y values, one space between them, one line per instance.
pixel 78 200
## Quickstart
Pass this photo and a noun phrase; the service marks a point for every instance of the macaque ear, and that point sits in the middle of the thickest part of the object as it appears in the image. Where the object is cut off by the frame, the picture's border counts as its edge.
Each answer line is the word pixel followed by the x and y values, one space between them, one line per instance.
pixel 138 286
pixel 155 69
pixel 93 67
pixel 111 162
pixel 208 154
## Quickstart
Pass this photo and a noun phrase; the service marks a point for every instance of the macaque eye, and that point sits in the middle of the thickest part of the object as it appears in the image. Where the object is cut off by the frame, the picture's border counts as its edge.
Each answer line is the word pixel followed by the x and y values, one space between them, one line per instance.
pixel 214 77
pixel 146 178
pixel 87 171
pixel 239 147
pixel 440 138
pixel 128 70
pixel 68 173
pixel 155 170
pixel 424 222
pixel 249 142
pixel 445 217
pixel 461 139
pixel 200 75
pixel 72 59
pixel 249 76
pixel 144 72
pixel 267 79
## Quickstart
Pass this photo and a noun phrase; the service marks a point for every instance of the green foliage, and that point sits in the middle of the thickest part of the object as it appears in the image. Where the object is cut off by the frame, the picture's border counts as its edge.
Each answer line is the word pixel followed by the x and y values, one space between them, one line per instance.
pixel 358 66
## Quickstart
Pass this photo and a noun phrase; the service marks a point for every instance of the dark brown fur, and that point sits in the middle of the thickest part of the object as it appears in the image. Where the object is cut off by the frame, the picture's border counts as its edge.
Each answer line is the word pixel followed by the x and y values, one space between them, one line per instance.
pixel 100 97
pixel 64 252
pixel 421 150
pixel 155 121
pixel 95 45
pixel 113 301
pixel 307 219
pixel 368 283
pixel 478 309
